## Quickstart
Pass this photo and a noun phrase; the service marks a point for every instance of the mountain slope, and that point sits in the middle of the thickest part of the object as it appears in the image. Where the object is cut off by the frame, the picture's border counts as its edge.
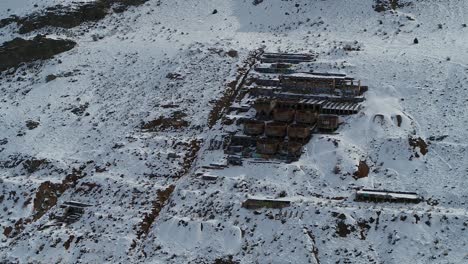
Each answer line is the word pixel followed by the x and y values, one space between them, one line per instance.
pixel 99 138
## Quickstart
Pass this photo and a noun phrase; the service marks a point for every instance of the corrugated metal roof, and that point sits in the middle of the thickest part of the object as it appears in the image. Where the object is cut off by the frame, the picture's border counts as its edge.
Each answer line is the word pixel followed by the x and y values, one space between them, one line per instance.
pixel 341 106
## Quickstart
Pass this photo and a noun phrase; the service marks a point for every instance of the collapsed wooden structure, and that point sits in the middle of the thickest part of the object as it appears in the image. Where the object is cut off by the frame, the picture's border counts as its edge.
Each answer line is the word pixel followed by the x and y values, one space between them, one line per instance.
pixel 284 68
pixel 72 212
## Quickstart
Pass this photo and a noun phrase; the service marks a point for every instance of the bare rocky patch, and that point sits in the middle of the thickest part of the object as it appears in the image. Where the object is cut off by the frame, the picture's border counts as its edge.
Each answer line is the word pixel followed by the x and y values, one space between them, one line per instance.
pixel 46 197
pixel 362 170
pixel 18 51
pixel 418 143
pixel 33 165
pixel 70 16
pixel 385 5
pixel 175 121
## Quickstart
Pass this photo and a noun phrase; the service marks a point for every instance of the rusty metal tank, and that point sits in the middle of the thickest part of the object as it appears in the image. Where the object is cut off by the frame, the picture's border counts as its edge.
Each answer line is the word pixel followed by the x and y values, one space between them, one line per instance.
pixel 267 146
pixel 284 115
pixel 275 129
pixel 294 148
pixel 306 117
pixel 298 131
pixel 254 127
pixel 328 122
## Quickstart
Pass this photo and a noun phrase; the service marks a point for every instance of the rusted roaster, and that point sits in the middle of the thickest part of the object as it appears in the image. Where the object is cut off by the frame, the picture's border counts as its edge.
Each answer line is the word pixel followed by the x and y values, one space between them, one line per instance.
pixel 328 122
pixel 254 127
pixel 264 107
pixel 297 131
pixel 294 148
pixel 275 129
pixel 306 117
pixel 284 115
pixel 267 146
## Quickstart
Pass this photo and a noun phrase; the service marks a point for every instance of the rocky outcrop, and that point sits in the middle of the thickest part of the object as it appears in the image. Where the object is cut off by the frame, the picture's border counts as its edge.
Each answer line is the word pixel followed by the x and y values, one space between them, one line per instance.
pixel 14 53
pixel 69 16
pixel 385 5
pixel 418 143
pixel 63 17
pixel 362 170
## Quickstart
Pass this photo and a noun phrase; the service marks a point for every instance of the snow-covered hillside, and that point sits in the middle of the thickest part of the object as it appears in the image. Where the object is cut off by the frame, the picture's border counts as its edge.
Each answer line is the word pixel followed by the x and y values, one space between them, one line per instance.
pixel 125 119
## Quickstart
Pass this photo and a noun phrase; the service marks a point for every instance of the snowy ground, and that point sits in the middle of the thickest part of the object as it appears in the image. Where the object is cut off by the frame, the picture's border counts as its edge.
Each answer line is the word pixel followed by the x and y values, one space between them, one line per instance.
pixel 120 81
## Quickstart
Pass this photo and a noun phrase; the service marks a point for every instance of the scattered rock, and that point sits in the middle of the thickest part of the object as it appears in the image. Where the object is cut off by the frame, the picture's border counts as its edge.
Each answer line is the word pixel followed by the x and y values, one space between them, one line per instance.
pixel 79 110
pixel 232 53
pixel 214 11
pixel 30 124
pixel 174 76
pixel 50 78
pixel 225 260
pixel 7 231
pixel 343 230
pixel 257 2
pixel 438 138
pixel 364 226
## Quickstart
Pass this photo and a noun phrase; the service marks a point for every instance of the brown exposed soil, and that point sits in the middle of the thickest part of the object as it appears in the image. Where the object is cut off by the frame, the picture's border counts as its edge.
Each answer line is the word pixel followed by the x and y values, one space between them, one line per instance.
pixel 17 228
pixel 192 147
pixel 17 51
pixel 7 231
pixel 158 204
pixel 362 171
pixel 418 143
pixel 176 121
